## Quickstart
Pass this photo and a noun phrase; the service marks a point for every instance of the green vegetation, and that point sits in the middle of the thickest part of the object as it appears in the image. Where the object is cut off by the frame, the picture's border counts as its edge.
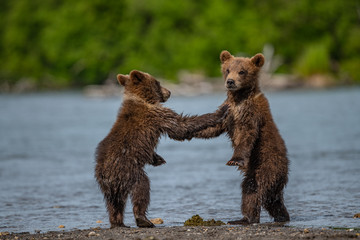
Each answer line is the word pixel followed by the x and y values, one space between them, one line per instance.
pixel 196 220
pixel 67 43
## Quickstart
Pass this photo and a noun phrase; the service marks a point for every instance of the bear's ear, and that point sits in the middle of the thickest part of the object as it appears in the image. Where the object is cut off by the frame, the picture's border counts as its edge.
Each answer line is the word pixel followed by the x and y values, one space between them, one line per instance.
pixel 122 79
pixel 224 56
pixel 258 60
pixel 136 76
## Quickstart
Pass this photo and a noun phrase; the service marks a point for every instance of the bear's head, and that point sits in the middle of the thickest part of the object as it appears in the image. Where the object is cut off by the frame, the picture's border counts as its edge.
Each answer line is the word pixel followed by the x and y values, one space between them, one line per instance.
pixel 144 86
pixel 239 72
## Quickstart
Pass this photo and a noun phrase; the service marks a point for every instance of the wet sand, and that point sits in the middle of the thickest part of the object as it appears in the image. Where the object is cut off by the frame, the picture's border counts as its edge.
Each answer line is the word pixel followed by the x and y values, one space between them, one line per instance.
pixel 268 231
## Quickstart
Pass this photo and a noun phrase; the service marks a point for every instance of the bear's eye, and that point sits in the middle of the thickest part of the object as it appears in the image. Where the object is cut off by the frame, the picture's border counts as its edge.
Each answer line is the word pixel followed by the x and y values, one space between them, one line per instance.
pixel 242 72
pixel 227 71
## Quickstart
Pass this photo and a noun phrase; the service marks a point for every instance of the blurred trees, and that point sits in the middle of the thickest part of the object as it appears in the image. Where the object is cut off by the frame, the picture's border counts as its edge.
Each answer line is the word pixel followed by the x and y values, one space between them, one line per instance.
pixel 63 43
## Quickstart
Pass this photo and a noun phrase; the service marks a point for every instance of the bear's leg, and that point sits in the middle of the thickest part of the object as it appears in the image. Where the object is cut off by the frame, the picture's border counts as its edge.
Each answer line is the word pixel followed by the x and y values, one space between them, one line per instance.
pixel 274 204
pixel 251 205
pixel 140 196
pixel 116 208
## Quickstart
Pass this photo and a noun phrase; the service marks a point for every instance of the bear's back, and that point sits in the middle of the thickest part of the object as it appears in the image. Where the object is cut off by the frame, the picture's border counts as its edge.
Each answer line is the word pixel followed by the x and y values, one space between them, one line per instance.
pixel 270 140
pixel 133 136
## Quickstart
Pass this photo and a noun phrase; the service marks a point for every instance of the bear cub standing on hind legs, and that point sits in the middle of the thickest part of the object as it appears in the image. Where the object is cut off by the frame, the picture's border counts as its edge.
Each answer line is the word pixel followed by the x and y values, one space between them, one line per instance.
pixel 259 150
pixel 131 143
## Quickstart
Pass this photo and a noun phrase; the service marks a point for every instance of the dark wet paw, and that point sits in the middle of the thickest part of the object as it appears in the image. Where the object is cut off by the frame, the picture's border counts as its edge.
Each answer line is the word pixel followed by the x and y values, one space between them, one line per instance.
pixel 236 162
pixel 143 222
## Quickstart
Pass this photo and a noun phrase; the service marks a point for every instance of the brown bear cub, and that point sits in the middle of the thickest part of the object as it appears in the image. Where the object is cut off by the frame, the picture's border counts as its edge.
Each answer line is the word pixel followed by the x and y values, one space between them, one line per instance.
pixel 131 143
pixel 259 150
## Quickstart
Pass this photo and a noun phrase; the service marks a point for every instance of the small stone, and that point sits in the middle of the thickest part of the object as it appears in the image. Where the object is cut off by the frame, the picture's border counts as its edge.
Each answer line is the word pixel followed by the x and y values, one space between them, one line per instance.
pixel 357 215
pixel 306 230
pixel 61 226
pixel 99 221
pixel 157 221
pixel 92 234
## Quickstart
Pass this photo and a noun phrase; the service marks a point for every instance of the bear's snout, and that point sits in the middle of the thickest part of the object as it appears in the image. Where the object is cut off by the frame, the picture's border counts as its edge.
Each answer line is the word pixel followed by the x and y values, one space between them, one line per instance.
pixel 230 83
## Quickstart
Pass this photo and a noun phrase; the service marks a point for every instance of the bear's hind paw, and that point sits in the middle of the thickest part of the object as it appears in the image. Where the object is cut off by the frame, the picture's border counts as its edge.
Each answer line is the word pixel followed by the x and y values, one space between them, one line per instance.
pixel 143 222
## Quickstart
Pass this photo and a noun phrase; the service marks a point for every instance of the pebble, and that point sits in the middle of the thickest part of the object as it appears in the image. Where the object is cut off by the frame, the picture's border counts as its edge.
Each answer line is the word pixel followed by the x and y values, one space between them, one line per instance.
pixel 92 234
pixel 150 238
pixel 99 221
pixel 357 215
pixel 306 230
pixel 157 221
pixel 61 226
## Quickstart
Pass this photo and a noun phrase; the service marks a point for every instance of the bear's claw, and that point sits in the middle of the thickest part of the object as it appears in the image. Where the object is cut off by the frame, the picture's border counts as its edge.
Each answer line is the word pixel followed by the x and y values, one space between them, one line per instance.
pixel 158 160
pixel 236 162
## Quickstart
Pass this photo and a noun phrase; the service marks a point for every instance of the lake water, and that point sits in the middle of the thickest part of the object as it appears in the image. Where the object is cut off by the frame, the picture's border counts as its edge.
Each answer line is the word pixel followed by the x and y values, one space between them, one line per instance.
pixel 47 144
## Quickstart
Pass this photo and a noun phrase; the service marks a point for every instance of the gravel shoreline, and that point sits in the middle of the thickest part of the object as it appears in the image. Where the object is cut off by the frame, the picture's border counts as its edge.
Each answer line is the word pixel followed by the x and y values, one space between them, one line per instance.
pixel 258 231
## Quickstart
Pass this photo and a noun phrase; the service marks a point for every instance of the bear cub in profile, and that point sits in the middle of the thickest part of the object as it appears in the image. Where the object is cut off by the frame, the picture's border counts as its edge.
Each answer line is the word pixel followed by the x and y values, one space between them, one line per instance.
pixel 259 150
pixel 131 143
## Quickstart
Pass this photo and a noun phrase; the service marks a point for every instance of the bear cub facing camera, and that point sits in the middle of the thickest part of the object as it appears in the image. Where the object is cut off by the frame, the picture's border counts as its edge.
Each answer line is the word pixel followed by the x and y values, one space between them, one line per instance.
pixel 131 143
pixel 259 150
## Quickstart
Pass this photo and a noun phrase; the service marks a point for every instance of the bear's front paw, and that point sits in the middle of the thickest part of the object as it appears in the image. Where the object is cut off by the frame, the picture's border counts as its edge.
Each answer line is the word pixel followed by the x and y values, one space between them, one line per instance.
pixel 236 161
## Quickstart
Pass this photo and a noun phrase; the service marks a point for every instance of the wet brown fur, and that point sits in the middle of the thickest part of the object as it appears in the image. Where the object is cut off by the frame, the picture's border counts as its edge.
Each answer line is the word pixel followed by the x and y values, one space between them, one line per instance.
pixel 259 150
pixel 131 143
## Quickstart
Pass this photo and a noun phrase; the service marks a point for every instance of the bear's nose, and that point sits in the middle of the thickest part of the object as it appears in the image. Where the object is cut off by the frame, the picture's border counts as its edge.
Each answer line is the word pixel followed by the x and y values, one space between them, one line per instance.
pixel 230 82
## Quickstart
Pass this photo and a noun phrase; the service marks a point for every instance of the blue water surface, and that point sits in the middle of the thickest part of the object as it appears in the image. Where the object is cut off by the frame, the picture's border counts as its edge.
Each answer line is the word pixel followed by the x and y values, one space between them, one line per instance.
pixel 47 144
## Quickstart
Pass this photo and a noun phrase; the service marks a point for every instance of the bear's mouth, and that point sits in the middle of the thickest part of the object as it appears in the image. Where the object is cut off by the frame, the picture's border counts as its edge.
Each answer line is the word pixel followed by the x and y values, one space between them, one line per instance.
pixel 231 87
